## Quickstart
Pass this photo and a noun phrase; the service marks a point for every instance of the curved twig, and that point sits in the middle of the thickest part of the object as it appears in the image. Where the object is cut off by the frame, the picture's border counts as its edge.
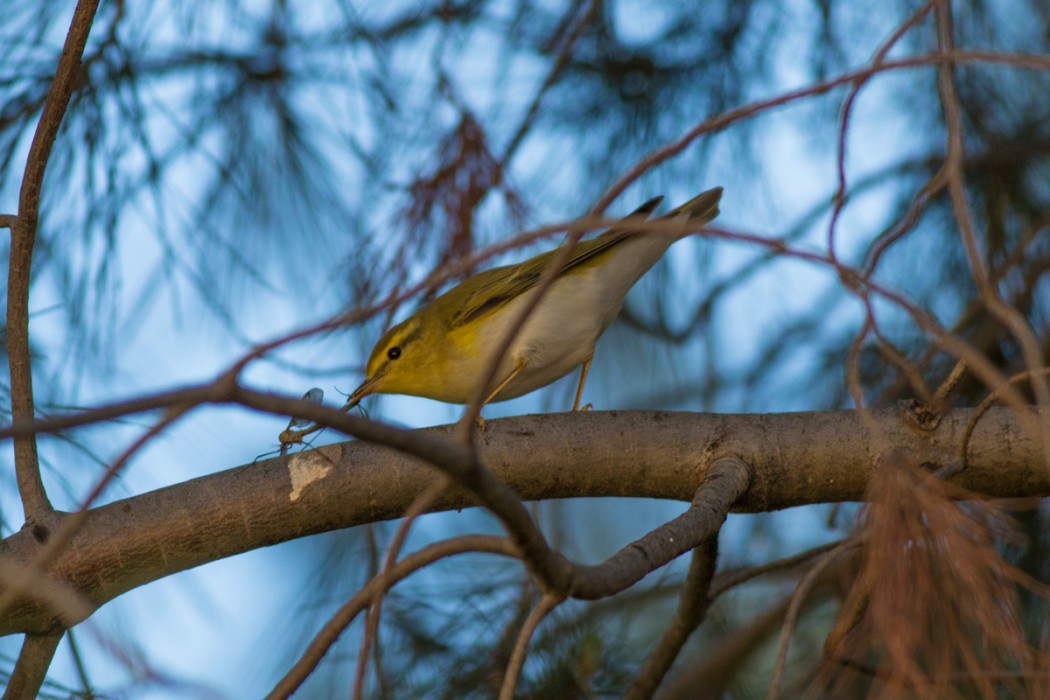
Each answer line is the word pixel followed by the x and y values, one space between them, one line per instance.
pixel 692 608
pixel 982 408
pixel 1009 316
pixel 328 634
pixel 57 538
pixel 729 580
pixel 423 503
pixel 35 502
pixel 721 121
pixel 726 480
pixel 802 591
pixel 517 658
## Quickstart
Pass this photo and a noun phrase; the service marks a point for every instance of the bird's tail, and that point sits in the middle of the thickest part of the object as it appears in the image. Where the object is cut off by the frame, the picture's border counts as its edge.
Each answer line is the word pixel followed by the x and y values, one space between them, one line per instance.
pixel 700 209
pixel 689 216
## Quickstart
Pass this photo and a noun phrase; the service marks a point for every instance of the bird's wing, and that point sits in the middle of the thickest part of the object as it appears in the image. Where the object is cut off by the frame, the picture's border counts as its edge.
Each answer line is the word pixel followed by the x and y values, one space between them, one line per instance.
pixel 496 287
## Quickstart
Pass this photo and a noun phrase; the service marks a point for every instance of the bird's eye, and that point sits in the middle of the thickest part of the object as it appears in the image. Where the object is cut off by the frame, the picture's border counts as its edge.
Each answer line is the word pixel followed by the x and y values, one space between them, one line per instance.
pixel 394 352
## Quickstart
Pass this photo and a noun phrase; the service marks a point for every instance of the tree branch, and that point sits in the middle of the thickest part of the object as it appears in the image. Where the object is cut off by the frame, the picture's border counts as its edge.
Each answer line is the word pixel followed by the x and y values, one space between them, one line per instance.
pixel 31 667
pixel 796 459
pixel 707 678
pixel 1009 316
pixel 35 502
pixel 798 599
pixel 692 608
pixel 731 579
pixel 423 503
pixel 725 482
pixel 721 121
pixel 521 646
pixel 352 608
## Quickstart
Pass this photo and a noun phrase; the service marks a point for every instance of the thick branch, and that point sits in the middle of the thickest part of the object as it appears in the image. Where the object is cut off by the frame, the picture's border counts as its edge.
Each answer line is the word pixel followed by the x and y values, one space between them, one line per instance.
pixel 23 238
pixel 795 459
pixel 456 460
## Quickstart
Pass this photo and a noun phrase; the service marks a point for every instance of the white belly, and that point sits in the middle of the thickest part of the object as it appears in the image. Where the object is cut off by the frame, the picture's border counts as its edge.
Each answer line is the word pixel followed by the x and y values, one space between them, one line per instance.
pixel 562 330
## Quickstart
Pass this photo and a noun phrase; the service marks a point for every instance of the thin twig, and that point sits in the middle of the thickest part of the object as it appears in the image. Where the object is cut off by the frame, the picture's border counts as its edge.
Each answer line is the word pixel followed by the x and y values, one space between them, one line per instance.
pixel 422 504
pixel 87 689
pixel 851 283
pixel 708 677
pixel 802 591
pixel 847 110
pixel 981 409
pixel 35 502
pixel 731 579
pixel 562 60
pixel 209 392
pixel 940 397
pixel 693 602
pixel 721 121
pixel 334 628
pixel 517 658
pixel 527 598
pixel 488 376
pixel 1006 314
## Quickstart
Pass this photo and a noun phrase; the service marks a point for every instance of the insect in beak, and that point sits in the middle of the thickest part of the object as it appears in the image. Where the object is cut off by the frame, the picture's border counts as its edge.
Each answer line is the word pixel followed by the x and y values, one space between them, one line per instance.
pixel 367 387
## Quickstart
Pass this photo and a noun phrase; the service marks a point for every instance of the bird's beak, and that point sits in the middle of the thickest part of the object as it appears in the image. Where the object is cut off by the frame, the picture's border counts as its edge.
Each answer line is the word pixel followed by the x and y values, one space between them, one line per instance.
pixel 367 387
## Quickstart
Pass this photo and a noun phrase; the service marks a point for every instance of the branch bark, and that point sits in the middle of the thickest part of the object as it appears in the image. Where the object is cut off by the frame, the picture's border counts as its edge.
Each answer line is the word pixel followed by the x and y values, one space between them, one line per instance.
pixel 795 459
pixel 724 482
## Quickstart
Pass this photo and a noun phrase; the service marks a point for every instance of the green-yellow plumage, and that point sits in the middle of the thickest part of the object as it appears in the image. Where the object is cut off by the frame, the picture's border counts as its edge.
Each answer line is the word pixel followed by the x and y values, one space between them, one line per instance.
pixel 441 351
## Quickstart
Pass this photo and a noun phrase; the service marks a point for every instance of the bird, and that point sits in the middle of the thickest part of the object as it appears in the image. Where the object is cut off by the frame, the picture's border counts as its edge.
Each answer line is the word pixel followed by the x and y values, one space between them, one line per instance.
pixel 442 350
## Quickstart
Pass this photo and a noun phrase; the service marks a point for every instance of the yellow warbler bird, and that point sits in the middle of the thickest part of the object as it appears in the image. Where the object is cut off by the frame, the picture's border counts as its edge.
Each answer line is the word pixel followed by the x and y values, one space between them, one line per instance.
pixel 441 351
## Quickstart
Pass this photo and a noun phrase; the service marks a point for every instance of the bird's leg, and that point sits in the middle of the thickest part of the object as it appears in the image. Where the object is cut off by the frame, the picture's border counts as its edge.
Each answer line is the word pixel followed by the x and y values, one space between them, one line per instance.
pixel 579 389
pixel 518 368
